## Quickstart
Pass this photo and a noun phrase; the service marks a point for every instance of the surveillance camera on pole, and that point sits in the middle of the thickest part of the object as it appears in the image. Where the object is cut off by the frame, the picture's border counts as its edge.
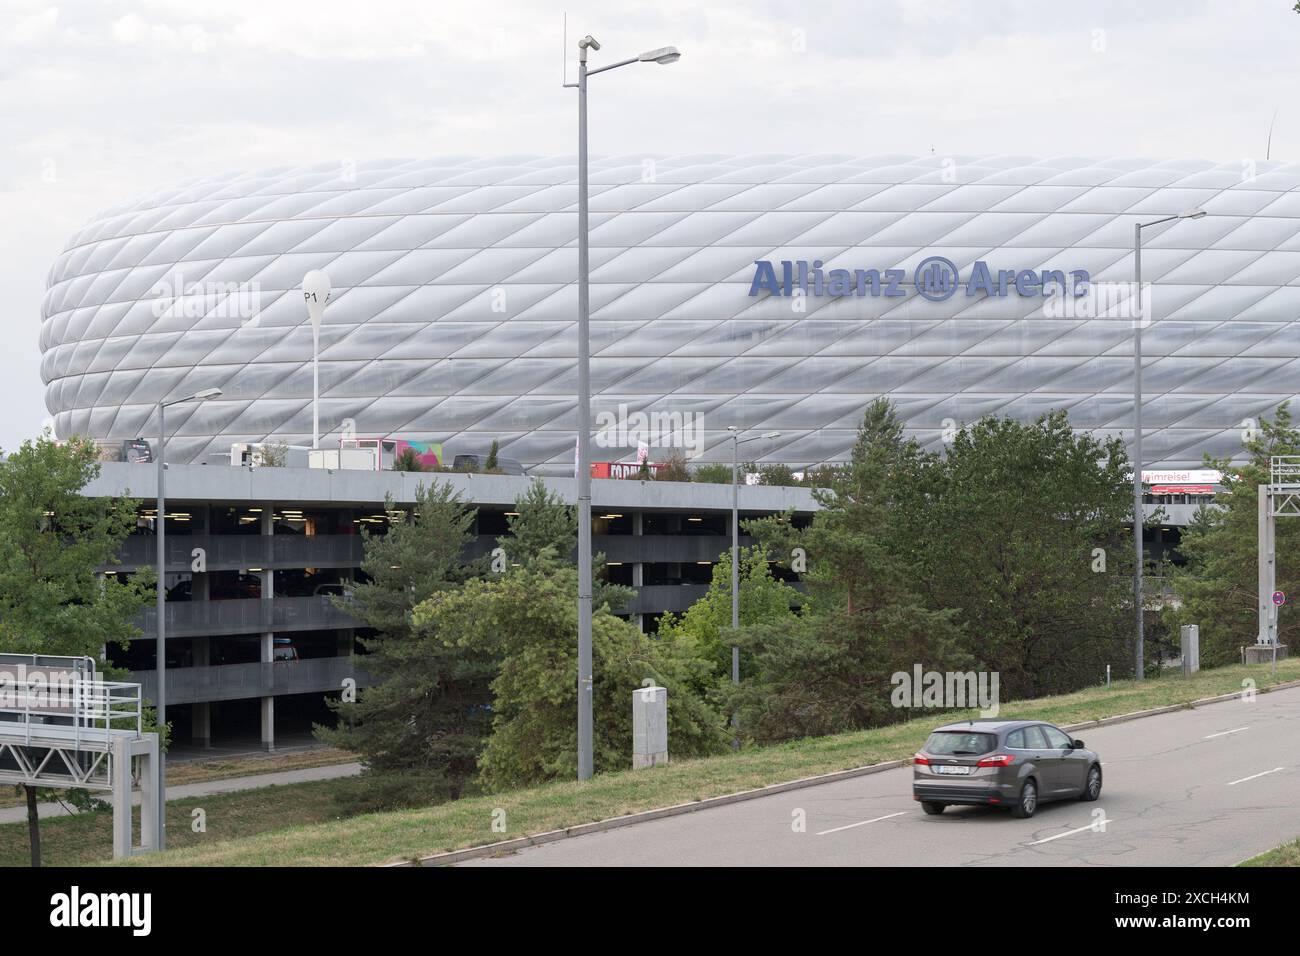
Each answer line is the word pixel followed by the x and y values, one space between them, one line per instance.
pixel 315 292
pixel 661 55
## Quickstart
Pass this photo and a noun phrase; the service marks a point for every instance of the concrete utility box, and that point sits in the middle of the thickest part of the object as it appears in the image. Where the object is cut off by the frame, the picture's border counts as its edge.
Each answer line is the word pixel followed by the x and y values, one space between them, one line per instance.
pixel 649 727
pixel 1190 639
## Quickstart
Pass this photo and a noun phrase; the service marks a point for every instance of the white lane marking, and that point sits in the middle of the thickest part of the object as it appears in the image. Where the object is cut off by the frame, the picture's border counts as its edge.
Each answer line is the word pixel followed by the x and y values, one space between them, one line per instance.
pixel 1090 826
pixel 1256 776
pixel 1224 733
pixel 863 823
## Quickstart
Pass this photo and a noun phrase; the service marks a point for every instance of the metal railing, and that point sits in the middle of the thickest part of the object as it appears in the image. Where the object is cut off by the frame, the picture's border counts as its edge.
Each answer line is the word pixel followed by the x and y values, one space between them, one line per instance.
pixel 1285 471
pixel 87 711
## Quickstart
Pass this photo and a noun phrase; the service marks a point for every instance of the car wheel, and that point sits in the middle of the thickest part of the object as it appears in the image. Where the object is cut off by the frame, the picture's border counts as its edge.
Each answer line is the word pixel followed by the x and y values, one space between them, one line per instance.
pixel 1092 789
pixel 1027 802
pixel 932 808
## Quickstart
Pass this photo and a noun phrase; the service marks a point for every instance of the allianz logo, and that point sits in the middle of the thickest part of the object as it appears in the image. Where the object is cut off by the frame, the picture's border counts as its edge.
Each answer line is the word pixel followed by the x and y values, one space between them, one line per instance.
pixel 935 278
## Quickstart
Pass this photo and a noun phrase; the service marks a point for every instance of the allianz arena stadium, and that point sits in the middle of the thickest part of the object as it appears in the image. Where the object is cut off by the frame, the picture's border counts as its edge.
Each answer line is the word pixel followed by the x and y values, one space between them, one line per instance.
pixel 780 293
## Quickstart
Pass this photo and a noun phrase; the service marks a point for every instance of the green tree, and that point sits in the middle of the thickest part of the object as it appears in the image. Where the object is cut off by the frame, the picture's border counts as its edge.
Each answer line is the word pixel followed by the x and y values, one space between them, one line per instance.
pixel 492 466
pixel 527 619
pixel 1025 536
pixel 1219 585
pixel 419 731
pixel 706 624
pixel 52 539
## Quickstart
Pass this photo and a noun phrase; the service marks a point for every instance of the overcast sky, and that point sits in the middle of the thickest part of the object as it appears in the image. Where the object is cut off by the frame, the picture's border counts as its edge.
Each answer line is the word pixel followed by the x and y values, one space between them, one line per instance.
pixel 103 100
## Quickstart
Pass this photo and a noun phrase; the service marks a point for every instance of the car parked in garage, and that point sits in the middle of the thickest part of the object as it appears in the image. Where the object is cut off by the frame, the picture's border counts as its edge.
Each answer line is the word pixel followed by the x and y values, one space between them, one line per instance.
pixel 1018 764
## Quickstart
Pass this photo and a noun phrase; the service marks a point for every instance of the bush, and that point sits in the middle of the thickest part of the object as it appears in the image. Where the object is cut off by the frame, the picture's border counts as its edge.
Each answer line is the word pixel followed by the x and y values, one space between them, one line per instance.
pixel 780 475
pixel 408 460
pixel 714 473
pixel 674 468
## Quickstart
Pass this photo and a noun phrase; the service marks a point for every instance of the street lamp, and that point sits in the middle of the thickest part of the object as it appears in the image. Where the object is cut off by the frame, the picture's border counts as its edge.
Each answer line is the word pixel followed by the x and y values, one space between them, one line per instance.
pixel 315 292
pixel 161 524
pixel 1138 517
pixel 663 55
pixel 736 442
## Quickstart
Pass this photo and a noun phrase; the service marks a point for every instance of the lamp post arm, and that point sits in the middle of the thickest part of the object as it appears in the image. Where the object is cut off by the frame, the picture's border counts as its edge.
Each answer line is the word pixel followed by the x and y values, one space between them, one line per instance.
pixel 613 66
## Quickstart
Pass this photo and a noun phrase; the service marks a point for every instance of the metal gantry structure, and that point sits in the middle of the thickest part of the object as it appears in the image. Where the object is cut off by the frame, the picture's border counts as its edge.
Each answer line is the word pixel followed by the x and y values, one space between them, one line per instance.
pixel 1280 498
pixel 62 726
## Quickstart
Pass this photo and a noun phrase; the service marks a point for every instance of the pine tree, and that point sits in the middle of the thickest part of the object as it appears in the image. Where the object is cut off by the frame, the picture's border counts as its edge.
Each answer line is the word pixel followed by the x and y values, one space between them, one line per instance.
pixel 420 730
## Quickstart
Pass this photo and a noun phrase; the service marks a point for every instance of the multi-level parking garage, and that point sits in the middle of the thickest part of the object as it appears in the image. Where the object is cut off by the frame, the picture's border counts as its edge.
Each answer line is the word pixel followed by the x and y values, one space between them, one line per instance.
pixel 258 637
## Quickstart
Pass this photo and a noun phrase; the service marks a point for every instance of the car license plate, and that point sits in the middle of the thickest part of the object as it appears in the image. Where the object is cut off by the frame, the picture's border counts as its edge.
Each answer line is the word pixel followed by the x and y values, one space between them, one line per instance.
pixel 956 770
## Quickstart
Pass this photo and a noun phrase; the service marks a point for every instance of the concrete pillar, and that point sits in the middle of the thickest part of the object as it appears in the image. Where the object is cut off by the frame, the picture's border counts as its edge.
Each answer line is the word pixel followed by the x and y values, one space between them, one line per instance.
pixel 638 567
pixel 268 638
pixel 649 727
pixel 268 724
pixel 121 778
pixel 201 723
pixel 151 812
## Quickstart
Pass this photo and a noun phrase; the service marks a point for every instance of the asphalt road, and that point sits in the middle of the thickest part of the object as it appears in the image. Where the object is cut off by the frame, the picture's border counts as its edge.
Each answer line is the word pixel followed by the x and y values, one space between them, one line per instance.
pixel 1203 787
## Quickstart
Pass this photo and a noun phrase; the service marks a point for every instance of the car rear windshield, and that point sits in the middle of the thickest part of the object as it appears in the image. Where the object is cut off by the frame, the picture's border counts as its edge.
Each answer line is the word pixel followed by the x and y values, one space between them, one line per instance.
pixel 954 742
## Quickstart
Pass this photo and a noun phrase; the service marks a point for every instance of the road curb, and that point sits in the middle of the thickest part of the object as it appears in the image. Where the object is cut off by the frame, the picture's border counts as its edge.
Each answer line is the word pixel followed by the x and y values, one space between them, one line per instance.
pixel 644 816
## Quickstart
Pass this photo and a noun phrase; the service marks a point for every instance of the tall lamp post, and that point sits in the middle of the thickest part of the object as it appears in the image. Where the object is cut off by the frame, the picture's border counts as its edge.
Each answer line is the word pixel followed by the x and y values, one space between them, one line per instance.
pixel 315 292
pixel 161 650
pixel 1138 517
pixel 663 55
pixel 736 442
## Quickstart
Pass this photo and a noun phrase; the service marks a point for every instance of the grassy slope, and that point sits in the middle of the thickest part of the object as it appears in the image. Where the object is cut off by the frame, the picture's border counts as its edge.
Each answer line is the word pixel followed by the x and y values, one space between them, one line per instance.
pixel 1288 854
pixel 409 834
pixel 87 838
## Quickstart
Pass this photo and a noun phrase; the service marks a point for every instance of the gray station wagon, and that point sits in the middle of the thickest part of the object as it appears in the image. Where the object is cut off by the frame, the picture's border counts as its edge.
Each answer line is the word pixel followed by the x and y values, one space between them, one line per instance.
pixel 1003 763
